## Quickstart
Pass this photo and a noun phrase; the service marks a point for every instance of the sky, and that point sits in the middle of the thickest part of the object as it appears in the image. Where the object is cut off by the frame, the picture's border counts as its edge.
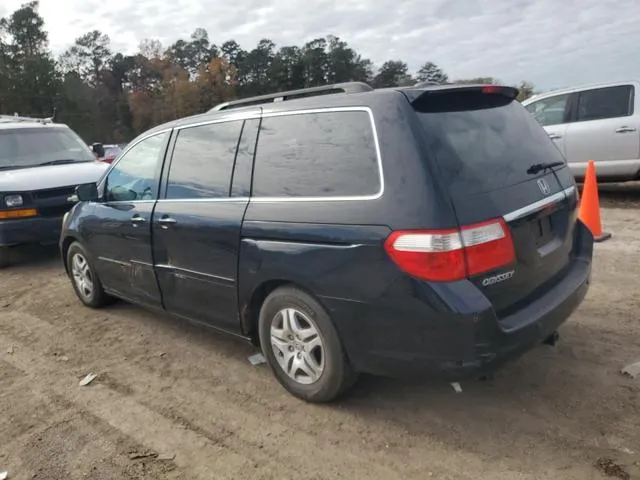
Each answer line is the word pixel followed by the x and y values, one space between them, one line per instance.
pixel 551 43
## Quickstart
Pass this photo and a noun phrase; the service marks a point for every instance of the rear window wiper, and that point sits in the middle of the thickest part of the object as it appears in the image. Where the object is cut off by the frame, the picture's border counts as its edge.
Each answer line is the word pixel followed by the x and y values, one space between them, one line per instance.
pixel 541 167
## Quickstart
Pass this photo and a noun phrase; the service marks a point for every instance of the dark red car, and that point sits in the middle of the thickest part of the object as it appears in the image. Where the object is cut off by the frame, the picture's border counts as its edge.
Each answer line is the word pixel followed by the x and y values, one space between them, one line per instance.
pixel 107 153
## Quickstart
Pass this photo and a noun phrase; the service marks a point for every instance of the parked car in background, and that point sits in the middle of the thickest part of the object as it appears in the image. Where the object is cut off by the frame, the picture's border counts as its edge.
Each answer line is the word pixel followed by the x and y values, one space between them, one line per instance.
pixel 111 152
pixel 403 231
pixel 106 153
pixel 41 163
pixel 594 122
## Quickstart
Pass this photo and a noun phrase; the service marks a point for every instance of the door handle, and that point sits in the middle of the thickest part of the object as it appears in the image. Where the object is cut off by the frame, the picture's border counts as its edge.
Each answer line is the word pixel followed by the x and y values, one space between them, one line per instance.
pixel 166 221
pixel 137 220
pixel 555 136
pixel 625 129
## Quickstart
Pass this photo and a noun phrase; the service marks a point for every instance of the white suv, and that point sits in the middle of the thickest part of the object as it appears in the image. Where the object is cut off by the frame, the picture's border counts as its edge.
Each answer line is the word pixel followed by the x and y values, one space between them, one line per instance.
pixel 595 122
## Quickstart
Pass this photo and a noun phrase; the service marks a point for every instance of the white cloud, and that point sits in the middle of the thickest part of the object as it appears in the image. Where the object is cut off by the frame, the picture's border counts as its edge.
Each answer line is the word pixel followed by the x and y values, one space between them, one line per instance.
pixel 549 42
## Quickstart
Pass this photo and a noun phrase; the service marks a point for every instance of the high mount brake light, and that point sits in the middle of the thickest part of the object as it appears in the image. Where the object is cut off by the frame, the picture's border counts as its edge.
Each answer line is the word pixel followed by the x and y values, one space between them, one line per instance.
pixel 492 89
pixel 450 255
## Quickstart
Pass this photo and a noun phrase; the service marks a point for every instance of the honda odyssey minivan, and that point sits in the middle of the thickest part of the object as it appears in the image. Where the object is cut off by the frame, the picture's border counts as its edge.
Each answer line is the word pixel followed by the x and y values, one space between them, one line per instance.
pixel 405 231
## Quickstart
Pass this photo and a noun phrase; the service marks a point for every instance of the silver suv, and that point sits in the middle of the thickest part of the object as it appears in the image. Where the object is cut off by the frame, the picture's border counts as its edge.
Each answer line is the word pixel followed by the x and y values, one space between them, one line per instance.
pixel 595 122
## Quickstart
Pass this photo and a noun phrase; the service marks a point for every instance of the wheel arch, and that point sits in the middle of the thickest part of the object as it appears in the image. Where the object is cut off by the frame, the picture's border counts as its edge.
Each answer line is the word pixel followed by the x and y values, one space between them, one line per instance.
pixel 251 311
pixel 64 250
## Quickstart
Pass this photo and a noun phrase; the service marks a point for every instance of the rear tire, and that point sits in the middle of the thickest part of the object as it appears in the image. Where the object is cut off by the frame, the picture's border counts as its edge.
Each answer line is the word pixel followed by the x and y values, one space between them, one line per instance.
pixel 84 278
pixel 302 346
pixel 5 257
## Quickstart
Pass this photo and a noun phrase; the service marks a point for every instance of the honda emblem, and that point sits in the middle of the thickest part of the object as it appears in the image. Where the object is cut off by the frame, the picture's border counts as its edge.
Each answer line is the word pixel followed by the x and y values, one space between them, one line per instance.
pixel 544 187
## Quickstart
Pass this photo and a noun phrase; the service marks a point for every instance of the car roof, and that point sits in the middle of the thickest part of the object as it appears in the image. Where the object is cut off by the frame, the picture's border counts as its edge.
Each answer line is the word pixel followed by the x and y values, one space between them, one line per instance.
pixel 11 122
pixel 360 98
pixel 578 88
pixel 30 125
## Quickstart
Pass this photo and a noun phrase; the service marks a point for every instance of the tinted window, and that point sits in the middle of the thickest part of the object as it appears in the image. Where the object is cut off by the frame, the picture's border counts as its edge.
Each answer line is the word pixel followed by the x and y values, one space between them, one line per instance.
pixel 316 155
pixel 134 176
pixel 549 111
pixel 608 102
pixel 485 143
pixel 202 161
pixel 24 147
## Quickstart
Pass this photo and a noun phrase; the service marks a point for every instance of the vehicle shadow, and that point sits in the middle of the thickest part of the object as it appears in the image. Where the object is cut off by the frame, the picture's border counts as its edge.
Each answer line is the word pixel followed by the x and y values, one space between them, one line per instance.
pixel 552 398
pixel 33 256
pixel 567 404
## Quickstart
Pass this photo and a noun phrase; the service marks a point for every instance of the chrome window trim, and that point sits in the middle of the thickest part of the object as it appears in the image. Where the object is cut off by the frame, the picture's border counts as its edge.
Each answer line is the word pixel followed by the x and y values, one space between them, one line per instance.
pixel 182 200
pixel 343 198
pixel 127 202
pixel 107 172
pixel 236 117
pixel 539 205
pixel 133 144
pixel 203 200
pixel 241 116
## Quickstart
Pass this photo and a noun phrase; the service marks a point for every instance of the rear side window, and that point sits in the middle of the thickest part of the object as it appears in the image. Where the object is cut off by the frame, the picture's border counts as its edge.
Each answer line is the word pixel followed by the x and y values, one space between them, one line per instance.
pixel 202 161
pixel 483 142
pixel 610 102
pixel 324 154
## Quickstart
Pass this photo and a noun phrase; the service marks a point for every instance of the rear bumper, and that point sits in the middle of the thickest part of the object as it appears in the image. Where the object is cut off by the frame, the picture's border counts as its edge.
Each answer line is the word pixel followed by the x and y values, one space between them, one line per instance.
pixel 450 331
pixel 30 230
pixel 499 341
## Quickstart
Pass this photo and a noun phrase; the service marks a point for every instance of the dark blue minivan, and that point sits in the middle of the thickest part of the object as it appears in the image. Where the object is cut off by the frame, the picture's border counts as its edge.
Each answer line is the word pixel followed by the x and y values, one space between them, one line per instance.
pixel 404 231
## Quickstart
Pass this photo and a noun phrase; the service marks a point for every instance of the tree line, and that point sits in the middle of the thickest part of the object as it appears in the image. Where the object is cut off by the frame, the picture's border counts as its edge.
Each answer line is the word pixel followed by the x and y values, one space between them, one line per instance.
pixel 109 96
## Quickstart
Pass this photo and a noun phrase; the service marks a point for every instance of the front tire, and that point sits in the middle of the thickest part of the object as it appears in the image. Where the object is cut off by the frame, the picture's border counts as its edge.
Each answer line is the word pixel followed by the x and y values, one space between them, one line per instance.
pixel 84 278
pixel 302 346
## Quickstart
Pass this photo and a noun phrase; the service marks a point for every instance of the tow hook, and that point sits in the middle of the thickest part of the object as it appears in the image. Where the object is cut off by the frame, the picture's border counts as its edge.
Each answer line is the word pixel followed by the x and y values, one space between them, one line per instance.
pixel 552 339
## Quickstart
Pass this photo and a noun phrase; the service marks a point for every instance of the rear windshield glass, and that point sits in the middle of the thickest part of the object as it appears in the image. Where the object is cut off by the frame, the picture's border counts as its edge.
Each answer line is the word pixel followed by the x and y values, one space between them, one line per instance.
pixel 24 147
pixel 483 142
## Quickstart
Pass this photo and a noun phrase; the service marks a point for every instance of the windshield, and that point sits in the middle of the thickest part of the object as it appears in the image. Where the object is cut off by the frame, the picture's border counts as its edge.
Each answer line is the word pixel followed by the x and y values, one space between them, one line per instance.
pixel 27 147
pixel 485 145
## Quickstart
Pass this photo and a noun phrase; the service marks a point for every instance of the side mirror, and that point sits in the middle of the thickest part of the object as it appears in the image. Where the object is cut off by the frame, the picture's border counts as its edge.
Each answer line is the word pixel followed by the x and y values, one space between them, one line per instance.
pixel 87 192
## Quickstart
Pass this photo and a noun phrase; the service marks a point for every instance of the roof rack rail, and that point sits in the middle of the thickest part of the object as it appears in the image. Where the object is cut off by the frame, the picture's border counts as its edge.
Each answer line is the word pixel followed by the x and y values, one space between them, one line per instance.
pixel 347 87
pixel 17 118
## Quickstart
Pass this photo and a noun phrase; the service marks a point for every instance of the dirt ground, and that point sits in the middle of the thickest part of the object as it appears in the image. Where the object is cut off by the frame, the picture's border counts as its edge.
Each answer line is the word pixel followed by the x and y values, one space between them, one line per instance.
pixel 175 401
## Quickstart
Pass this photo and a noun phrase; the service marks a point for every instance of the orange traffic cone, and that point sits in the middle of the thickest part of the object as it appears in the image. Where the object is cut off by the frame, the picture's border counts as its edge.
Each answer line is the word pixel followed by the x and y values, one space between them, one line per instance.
pixel 590 204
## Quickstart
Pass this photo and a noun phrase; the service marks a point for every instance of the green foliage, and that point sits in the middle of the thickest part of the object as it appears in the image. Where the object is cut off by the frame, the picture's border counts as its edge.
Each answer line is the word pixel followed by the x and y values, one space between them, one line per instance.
pixel 479 81
pixel 430 72
pixel 526 90
pixel 392 73
pixel 111 97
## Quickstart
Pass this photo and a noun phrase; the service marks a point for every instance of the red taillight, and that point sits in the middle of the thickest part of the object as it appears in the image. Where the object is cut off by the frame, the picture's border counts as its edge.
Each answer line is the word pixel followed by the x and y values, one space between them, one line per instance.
pixel 449 255
pixel 491 89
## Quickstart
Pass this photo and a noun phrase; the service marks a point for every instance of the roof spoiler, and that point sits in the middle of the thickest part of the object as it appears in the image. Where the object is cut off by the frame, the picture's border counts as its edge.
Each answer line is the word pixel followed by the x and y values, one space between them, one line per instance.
pixel 347 87
pixel 420 95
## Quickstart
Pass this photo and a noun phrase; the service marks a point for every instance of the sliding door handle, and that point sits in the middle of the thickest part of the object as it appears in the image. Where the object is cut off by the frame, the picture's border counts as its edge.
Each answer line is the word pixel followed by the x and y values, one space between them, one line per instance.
pixel 137 220
pixel 166 221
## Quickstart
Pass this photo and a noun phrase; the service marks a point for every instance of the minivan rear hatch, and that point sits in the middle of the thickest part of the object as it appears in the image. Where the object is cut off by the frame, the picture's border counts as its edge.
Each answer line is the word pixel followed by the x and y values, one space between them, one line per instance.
pixel 497 163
